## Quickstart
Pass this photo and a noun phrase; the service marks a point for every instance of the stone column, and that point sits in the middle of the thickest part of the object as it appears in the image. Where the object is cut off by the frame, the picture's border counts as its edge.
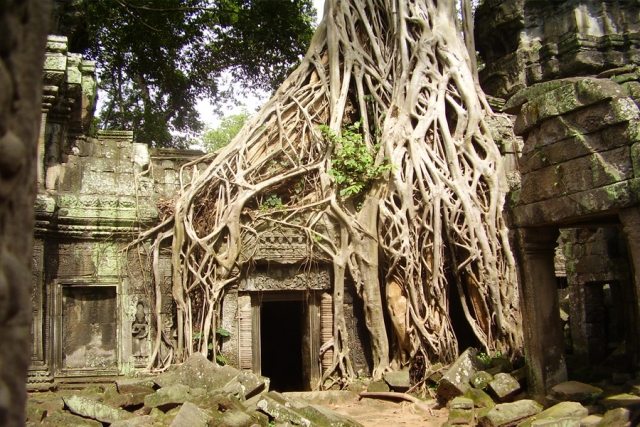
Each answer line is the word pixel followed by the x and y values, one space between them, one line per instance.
pixel 630 219
pixel 22 46
pixel 543 338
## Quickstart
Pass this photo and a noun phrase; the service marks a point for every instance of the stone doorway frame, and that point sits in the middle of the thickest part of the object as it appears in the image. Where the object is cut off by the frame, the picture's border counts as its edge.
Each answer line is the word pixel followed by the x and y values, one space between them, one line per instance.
pixel 311 330
pixel 58 333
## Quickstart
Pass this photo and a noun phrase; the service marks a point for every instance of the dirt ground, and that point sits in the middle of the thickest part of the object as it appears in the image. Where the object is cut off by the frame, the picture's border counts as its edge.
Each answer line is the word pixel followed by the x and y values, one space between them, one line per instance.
pixel 385 413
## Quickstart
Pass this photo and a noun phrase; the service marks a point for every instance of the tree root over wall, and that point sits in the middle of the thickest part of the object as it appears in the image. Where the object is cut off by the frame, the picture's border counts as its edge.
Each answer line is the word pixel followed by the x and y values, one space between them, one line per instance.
pixel 430 222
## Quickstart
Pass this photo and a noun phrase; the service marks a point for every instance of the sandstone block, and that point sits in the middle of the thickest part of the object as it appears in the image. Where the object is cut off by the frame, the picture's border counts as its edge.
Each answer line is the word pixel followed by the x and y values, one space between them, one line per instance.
pixel 621 401
pixel 619 417
pixel 398 381
pixel 481 380
pixel 168 397
pixel 190 415
pixel 509 413
pixel 480 398
pixel 89 408
pixel 456 381
pixel 504 386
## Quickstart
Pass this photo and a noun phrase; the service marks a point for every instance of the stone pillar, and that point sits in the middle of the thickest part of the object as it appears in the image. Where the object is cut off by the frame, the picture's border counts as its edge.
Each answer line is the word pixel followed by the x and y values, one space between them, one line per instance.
pixel 630 219
pixel 22 46
pixel 543 338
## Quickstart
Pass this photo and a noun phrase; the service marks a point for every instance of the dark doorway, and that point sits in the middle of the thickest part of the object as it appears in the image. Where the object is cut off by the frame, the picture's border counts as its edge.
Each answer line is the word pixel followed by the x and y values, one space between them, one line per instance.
pixel 281 344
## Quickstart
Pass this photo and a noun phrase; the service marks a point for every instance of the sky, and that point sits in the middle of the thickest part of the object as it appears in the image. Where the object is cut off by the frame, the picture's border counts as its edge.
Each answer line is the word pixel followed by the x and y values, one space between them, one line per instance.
pixel 251 103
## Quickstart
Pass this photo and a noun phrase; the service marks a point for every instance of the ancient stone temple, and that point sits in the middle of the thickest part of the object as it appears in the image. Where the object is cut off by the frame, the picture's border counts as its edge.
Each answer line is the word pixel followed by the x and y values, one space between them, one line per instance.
pixel 93 298
pixel 569 73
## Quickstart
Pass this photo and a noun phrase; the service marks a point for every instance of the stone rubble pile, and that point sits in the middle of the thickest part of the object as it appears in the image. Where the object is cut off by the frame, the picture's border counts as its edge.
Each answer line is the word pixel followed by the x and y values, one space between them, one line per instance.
pixel 197 393
pixel 494 395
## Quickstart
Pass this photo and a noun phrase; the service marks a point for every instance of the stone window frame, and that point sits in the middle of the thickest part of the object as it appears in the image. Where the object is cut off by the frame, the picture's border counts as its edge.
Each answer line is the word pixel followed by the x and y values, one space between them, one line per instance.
pixel 57 335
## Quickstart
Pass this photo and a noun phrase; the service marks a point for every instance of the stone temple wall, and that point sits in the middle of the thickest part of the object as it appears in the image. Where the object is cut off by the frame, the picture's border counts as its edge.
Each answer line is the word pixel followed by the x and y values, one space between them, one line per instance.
pixel 93 300
pixel 568 71
pixel 524 42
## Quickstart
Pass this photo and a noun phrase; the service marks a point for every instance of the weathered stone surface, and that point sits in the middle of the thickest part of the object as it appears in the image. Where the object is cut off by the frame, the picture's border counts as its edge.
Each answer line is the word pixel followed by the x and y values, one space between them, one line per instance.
pixel 126 400
pixel 481 380
pixel 590 420
pixel 504 386
pixel 378 386
pixel 619 417
pixel 291 411
pixel 508 413
pixel 558 422
pixel 141 421
pixel 621 401
pixel 89 408
pixel 480 398
pixel 398 381
pixel 565 413
pixel 198 372
pixel 460 403
pixel 456 381
pixel 576 391
pixel 190 415
pixel 135 385
pixel 168 397
pixel 565 99
pixel 59 418
pixel 233 418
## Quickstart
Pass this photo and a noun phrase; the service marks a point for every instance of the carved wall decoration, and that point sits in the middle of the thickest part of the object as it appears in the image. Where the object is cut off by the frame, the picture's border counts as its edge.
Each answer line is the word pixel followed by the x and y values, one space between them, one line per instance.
pixel 286 279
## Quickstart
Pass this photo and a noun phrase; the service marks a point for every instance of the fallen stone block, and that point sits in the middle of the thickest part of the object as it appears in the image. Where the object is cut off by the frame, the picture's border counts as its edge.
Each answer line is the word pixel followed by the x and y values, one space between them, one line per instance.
pixel 190 415
pixel 504 386
pixel 481 380
pixel 198 372
pixel 461 411
pixel 89 408
pixel 590 420
pixel 506 414
pixel 558 422
pixel 168 397
pixel 135 385
pixel 398 381
pixel 621 401
pixel 275 405
pixel 142 421
pixel 619 417
pixel 576 392
pixel 322 416
pixel 480 398
pixel 58 418
pixel 456 381
pixel 378 386
pixel 125 400
pixel 563 410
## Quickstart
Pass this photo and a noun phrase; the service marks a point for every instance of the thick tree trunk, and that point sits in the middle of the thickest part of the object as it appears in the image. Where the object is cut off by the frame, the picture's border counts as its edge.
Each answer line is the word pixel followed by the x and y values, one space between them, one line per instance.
pixel 430 221
pixel 23 25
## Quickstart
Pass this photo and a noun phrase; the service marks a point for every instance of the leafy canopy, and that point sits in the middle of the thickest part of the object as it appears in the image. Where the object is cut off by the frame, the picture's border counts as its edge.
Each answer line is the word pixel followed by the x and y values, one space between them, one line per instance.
pixel 157 58
pixel 218 137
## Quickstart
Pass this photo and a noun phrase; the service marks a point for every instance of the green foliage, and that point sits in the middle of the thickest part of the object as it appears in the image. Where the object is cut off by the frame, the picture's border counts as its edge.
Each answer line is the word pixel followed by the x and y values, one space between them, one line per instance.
pixel 216 138
pixel 158 58
pixel 223 332
pixel 353 164
pixel 484 358
pixel 221 360
pixel 271 202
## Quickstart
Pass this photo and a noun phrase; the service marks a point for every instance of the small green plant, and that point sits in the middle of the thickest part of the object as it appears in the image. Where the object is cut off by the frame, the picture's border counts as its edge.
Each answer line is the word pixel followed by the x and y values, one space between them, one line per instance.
pixel 271 202
pixel 540 153
pixel 221 360
pixel 484 358
pixel 353 165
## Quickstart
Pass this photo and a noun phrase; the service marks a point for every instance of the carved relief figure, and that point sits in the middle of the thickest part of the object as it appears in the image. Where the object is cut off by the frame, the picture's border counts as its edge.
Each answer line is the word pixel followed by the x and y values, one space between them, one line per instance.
pixel 140 331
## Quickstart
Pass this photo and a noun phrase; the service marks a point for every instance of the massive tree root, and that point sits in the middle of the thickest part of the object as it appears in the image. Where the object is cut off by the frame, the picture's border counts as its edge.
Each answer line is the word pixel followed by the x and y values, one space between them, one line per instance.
pixel 423 230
